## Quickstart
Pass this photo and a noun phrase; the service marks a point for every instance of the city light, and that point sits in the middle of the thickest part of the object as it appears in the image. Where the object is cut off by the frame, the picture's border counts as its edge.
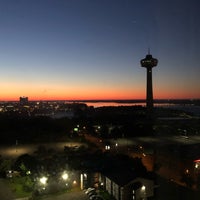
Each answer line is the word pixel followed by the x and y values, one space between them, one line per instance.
pixel 197 164
pixel 107 147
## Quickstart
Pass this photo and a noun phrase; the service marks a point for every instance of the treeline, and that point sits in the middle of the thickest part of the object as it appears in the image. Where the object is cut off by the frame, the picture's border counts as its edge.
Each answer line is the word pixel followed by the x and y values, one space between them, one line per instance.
pixel 125 121
pixel 114 122
pixel 121 121
pixel 29 129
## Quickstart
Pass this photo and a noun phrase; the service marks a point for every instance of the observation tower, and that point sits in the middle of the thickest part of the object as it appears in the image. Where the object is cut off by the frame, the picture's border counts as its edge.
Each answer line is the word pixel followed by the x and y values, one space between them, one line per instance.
pixel 149 62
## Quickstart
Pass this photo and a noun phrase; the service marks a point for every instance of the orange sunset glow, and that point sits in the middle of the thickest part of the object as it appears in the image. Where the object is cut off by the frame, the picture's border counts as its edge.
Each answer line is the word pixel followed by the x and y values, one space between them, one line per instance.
pixel 62 53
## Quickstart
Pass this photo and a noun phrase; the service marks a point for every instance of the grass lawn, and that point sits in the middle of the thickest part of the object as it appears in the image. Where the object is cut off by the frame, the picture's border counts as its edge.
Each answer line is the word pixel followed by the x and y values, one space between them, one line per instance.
pixel 105 195
pixel 16 185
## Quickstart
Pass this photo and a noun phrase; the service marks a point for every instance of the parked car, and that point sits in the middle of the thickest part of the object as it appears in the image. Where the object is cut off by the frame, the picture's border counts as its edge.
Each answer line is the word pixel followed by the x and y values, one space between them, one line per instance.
pixel 98 198
pixel 93 192
pixel 93 197
pixel 89 190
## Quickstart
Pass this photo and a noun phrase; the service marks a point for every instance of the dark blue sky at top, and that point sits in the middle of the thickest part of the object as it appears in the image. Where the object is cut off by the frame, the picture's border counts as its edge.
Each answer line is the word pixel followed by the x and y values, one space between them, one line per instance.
pixel 100 42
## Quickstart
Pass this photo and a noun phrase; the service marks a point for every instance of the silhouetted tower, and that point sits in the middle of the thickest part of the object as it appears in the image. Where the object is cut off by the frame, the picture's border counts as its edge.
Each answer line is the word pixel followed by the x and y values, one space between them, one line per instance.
pixel 149 62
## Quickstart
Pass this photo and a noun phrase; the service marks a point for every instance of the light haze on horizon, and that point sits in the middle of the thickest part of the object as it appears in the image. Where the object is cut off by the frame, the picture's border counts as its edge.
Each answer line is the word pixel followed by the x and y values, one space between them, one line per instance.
pixel 91 49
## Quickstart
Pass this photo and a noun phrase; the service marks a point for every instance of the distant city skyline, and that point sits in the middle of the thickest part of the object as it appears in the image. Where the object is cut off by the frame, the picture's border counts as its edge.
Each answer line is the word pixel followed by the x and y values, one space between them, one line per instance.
pixel 91 49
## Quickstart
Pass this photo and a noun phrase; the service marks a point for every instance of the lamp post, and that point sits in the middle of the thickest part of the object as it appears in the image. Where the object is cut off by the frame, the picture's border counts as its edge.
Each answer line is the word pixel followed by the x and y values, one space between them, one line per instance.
pixel 43 182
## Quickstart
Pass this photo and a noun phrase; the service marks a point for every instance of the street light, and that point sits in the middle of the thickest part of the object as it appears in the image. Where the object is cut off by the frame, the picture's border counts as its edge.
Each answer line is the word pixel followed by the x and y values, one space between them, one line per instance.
pixel 74 182
pixel 43 180
pixel 65 176
pixel 143 188
pixel 143 192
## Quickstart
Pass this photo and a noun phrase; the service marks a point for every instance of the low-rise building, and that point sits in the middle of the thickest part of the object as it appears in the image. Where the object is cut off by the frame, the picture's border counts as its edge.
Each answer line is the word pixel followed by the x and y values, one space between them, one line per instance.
pixel 126 186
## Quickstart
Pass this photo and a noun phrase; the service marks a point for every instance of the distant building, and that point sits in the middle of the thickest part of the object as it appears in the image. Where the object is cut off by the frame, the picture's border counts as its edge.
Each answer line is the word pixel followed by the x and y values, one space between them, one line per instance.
pixel 23 100
pixel 61 114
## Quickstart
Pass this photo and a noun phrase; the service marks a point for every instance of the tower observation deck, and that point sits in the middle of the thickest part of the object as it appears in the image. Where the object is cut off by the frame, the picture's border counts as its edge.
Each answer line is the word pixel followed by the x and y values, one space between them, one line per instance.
pixel 149 62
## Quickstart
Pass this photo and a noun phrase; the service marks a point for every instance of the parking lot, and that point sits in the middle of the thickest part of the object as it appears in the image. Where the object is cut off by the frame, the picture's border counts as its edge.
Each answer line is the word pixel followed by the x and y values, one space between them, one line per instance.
pixel 76 195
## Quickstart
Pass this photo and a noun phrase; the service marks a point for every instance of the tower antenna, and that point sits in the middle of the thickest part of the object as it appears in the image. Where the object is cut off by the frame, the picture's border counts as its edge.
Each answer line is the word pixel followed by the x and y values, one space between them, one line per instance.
pixel 149 51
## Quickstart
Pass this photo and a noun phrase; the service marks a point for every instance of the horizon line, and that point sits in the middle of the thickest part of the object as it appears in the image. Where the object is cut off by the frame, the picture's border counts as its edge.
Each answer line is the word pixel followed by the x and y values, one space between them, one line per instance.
pixel 109 100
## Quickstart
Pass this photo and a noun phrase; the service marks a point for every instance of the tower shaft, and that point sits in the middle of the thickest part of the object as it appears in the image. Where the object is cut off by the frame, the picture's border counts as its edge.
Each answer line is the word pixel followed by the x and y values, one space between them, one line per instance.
pixel 149 62
pixel 149 91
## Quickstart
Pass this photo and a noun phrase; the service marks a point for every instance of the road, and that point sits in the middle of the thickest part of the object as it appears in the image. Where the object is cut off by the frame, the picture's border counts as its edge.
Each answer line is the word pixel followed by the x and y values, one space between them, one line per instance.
pixel 15 151
pixel 5 191
pixel 77 195
pixel 7 194
pixel 124 145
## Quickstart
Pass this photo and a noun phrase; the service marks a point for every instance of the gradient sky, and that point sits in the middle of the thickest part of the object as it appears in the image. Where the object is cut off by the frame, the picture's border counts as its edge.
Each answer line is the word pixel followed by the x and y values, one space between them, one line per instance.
pixel 91 49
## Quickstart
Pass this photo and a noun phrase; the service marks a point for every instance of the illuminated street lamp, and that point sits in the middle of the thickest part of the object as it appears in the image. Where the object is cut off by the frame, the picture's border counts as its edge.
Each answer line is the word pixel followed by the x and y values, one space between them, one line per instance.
pixel 43 180
pixel 143 192
pixel 74 182
pixel 143 188
pixel 65 176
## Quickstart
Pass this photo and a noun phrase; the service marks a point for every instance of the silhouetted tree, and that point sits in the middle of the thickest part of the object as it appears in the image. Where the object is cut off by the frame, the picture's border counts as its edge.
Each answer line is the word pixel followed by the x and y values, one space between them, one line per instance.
pixel 29 162
pixel 5 164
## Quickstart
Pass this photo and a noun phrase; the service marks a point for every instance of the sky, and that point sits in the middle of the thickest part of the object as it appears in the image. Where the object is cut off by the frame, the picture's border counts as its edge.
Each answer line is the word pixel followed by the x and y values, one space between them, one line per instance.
pixel 91 49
